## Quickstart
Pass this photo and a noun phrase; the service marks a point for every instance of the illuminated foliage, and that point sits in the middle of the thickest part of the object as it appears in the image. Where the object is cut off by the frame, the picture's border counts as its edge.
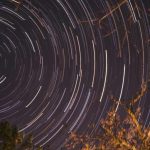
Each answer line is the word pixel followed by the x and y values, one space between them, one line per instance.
pixel 117 132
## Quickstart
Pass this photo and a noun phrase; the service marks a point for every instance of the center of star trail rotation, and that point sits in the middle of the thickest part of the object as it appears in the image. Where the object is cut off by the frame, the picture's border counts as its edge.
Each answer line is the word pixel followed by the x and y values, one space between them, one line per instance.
pixel 60 60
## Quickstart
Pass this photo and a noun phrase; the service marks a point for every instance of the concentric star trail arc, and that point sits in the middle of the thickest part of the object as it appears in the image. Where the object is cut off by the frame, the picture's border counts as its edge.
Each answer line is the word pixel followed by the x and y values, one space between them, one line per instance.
pixel 62 60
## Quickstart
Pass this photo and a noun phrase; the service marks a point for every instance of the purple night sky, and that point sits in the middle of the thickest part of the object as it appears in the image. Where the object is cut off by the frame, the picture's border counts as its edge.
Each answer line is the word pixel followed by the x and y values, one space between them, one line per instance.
pixel 62 60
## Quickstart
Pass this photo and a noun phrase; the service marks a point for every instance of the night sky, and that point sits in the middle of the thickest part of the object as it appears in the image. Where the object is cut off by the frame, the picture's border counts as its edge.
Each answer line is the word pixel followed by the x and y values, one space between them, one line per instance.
pixel 62 60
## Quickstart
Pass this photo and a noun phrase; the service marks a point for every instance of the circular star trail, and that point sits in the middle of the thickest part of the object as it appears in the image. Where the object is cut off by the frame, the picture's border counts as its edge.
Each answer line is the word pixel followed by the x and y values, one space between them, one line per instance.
pixel 61 60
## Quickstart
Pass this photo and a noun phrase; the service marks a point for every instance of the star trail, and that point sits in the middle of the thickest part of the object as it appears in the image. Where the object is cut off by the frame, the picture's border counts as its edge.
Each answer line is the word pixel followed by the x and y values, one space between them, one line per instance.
pixel 61 60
